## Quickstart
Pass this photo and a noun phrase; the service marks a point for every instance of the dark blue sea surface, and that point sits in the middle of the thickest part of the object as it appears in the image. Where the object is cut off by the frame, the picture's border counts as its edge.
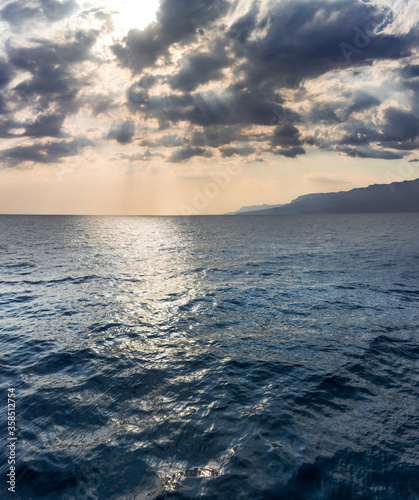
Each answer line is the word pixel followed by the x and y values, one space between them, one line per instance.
pixel 252 357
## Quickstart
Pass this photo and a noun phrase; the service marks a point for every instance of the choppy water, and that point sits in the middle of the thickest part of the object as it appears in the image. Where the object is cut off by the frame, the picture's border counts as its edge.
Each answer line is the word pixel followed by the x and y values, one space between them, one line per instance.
pixel 242 357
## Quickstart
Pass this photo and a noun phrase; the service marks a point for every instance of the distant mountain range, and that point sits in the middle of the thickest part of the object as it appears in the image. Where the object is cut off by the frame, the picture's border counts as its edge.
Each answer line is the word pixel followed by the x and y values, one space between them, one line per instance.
pixel 253 208
pixel 394 197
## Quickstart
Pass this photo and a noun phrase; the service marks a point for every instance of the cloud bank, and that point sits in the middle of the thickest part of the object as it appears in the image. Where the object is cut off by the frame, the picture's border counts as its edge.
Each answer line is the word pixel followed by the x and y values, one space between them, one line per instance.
pixel 234 80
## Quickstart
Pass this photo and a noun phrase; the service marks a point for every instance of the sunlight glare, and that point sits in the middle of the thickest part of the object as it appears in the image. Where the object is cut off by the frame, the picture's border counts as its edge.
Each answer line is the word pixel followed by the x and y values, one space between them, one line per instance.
pixel 132 13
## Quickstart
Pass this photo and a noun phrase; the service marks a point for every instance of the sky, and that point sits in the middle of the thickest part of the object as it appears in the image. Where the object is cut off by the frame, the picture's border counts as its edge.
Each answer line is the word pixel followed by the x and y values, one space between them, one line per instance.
pixel 200 107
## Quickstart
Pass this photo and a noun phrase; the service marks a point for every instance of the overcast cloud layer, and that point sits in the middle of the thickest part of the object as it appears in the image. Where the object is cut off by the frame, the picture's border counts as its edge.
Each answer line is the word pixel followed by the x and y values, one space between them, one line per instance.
pixel 209 79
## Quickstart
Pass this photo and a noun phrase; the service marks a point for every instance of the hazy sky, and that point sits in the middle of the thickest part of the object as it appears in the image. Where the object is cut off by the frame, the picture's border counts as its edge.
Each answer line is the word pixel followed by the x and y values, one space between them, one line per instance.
pixel 202 106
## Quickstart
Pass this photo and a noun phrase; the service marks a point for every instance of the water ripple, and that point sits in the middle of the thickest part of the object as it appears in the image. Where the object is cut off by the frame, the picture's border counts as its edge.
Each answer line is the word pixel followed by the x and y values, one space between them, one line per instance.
pixel 251 357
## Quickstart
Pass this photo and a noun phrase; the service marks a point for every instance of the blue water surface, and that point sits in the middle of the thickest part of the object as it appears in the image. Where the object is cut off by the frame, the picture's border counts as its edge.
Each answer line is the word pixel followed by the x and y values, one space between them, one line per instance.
pixel 235 357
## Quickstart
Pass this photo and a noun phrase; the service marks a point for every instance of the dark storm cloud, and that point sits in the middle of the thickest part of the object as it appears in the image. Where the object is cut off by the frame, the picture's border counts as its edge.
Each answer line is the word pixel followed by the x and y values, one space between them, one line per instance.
pixel 400 126
pixel 323 112
pixel 6 73
pixel 19 11
pixel 50 91
pixel 177 21
pixel 290 152
pixel 6 127
pixel 399 131
pixel 230 82
pixel 164 107
pixel 42 126
pixel 47 79
pixel 50 53
pixel 369 152
pixel 244 26
pixel 52 66
pixel 410 71
pixel 45 126
pixel 147 82
pixel 3 105
pixel 307 39
pixel 361 102
pixel 240 106
pixel 180 19
pixel 200 68
pixel 122 132
pixel 237 106
pixel 268 50
pixel 50 152
pixel 227 152
pixel 286 136
pixel 360 134
pixel 187 153
pixel 53 86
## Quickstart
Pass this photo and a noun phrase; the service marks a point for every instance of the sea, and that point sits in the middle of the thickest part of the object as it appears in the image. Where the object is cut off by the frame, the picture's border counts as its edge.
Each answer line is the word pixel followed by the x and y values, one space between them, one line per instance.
pixel 210 357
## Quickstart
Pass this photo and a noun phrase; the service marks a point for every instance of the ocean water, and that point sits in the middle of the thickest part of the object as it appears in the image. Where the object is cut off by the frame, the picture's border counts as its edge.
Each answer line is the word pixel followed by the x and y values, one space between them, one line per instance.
pixel 251 357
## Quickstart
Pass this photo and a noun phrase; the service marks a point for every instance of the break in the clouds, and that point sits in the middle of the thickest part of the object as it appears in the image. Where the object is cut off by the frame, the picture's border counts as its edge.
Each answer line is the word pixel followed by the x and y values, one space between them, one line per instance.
pixel 209 79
